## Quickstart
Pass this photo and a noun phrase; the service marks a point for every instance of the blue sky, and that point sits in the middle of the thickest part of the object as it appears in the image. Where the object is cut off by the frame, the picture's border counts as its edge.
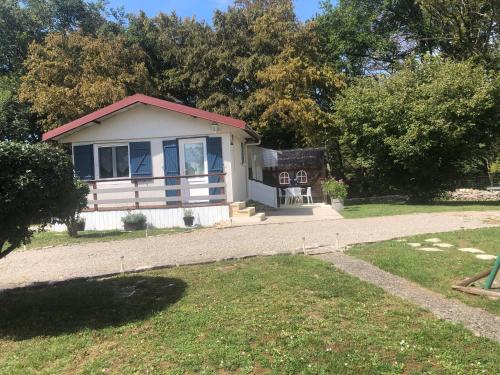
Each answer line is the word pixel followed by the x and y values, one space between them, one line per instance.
pixel 201 9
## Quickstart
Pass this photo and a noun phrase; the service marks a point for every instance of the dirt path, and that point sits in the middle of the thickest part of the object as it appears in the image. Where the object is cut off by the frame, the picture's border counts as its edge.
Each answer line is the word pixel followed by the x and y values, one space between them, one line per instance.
pixel 477 320
pixel 97 259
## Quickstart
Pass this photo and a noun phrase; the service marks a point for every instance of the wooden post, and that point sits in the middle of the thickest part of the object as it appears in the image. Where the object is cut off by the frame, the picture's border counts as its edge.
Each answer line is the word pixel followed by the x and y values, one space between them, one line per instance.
pixel 94 186
pixel 136 185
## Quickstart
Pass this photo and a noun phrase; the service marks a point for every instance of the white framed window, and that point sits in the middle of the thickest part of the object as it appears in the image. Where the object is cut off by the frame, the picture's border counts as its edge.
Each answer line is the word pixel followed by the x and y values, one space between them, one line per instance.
pixel 301 177
pixel 284 178
pixel 113 161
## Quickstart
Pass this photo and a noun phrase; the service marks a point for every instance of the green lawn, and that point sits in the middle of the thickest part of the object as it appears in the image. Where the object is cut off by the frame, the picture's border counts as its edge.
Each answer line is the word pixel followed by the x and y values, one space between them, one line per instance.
pixel 356 211
pixel 438 271
pixel 44 239
pixel 268 315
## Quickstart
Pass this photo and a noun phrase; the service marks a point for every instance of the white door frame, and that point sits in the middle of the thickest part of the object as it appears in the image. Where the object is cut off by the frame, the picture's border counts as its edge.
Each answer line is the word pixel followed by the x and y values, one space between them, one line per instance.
pixel 189 192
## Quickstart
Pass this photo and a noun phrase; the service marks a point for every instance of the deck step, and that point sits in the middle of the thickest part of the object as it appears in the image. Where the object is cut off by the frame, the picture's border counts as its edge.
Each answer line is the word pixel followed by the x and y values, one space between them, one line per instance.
pixel 243 220
pixel 249 211
pixel 236 206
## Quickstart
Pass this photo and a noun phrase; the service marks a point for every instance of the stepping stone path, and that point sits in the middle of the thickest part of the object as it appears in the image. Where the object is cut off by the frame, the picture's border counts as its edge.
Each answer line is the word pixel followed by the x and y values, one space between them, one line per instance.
pixel 414 244
pixel 433 240
pixel 486 257
pixel 443 245
pixel 471 250
pixel 429 249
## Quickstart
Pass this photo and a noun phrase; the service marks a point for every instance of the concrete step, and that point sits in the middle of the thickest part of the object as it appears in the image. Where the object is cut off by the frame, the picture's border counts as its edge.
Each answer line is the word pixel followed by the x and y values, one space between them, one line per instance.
pixel 249 211
pixel 236 206
pixel 242 220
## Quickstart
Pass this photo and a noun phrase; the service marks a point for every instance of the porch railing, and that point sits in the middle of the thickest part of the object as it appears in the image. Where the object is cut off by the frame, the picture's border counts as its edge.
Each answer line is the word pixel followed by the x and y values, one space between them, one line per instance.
pixel 151 192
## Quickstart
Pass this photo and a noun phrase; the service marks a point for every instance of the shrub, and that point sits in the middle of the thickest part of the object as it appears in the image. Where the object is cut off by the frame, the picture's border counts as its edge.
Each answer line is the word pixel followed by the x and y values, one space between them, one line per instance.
pixel 335 189
pixel 36 187
pixel 76 201
pixel 136 221
pixel 188 213
pixel 415 131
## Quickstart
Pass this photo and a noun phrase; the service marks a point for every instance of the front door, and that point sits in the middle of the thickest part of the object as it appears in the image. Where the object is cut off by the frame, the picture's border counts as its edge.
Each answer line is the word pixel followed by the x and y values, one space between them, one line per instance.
pixel 193 161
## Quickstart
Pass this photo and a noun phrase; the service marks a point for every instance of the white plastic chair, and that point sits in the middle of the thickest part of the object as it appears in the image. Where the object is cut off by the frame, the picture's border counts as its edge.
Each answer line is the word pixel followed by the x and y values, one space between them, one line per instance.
pixel 308 195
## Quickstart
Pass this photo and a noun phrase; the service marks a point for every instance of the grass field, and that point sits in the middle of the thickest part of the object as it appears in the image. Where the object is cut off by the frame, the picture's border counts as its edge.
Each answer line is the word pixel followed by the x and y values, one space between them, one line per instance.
pixel 44 239
pixel 293 315
pixel 386 209
pixel 438 271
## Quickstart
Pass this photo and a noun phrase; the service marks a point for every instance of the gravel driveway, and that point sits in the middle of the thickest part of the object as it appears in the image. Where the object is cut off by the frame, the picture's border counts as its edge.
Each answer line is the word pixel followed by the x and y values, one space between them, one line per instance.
pixel 98 259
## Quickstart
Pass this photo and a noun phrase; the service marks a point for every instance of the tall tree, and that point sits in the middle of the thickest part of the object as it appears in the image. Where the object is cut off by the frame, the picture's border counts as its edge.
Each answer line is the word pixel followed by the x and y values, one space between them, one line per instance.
pixel 68 76
pixel 296 93
pixel 176 51
pixel 247 38
pixel 25 21
pixel 370 36
pixel 17 123
pixel 465 28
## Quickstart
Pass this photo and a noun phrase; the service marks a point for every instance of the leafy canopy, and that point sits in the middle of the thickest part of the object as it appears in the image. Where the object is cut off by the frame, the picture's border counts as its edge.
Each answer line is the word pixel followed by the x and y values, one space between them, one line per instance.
pixel 415 129
pixel 71 75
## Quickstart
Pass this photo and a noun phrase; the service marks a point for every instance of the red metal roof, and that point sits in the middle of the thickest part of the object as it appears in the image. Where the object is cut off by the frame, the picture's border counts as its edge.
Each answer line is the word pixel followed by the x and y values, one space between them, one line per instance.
pixel 144 99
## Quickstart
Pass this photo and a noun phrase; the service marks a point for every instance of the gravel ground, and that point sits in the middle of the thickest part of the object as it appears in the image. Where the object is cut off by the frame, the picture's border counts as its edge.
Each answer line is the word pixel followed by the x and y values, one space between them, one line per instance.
pixel 481 322
pixel 97 259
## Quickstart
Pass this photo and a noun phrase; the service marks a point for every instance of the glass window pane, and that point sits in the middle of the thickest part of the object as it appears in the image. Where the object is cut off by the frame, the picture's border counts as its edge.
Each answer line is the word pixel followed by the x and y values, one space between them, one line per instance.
pixel 122 161
pixel 105 162
pixel 194 158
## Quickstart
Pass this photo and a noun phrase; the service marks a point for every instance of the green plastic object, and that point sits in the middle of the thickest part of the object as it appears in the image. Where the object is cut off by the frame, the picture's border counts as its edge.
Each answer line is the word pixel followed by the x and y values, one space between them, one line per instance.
pixel 493 273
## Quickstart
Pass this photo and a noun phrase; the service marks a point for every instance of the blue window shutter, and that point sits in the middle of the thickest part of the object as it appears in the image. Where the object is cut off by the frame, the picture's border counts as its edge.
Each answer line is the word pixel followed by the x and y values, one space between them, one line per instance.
pixel 140 159
pixel 171 163
pixel 83 157
pixel 215 163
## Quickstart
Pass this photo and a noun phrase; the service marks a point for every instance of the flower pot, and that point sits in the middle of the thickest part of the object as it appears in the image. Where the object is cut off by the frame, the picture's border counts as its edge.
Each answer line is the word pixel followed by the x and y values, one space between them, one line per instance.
pixel 80 225
pixel 337 204
pixel 128 227
pixel 188 221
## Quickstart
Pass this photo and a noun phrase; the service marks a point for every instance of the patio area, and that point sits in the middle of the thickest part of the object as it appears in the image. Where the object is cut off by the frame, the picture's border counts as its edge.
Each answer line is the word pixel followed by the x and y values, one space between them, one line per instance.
pixel 301 213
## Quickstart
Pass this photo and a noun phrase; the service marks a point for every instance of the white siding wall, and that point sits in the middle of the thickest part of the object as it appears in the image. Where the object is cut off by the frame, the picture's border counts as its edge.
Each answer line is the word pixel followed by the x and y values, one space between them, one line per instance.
pixel 158 218
pixel 147 123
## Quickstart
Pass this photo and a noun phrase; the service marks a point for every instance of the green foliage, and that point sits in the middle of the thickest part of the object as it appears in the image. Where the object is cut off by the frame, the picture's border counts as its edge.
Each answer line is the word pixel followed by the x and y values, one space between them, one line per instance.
pixel 495 167
pixel 17 123
pixel 278 315
pixel 465 28
pixel 25 21
pixel 188 213
pixel 413 131
pixel 368 36
pixel 68 76
pixel 36 187
pixel 135 221
pixel 74 203
pixel 335 189
pixel 438 270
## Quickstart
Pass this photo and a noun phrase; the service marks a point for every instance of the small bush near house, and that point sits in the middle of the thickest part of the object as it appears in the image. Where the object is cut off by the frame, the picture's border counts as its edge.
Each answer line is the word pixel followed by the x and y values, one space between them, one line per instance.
pixel 37 187
pixel 335 189
pixel 134 221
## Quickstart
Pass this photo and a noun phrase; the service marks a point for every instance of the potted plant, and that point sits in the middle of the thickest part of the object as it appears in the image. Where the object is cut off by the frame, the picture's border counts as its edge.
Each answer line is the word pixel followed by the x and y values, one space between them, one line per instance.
pixel 134 221
pixel 80 224
pixel 188 218
pixel 337 191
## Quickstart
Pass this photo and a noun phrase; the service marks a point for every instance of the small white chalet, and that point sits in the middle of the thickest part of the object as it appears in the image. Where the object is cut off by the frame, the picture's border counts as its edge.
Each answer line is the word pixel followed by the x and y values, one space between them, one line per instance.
pixel 158 157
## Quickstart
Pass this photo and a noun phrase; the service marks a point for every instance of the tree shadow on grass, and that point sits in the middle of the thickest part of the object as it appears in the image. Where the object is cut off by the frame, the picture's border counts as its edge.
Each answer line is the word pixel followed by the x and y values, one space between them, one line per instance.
pixel 72 306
